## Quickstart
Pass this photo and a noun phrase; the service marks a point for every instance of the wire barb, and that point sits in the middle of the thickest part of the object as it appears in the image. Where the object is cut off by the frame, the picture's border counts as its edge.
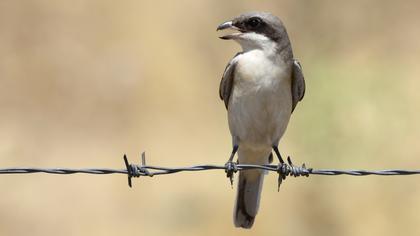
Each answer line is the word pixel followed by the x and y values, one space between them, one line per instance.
pixel 137 170
pixel 285 170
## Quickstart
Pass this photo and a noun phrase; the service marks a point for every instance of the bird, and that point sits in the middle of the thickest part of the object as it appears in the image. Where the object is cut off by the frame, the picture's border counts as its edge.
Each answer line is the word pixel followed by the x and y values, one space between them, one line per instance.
pixel 260 88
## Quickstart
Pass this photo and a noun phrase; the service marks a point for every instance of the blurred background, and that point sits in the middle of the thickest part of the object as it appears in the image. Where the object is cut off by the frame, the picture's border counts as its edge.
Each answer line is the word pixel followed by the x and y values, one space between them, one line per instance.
pixel 83 82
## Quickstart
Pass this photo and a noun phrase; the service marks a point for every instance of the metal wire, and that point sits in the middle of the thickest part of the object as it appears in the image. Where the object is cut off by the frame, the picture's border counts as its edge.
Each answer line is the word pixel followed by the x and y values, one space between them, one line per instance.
pixel 133 170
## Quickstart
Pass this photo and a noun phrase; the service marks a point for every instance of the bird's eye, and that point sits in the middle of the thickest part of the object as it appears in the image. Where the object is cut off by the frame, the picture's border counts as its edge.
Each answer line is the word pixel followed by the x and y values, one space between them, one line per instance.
pixel 254 22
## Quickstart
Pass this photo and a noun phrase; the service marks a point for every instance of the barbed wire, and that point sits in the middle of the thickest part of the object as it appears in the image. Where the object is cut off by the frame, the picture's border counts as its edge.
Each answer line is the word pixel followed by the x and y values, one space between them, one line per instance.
pixel 134 170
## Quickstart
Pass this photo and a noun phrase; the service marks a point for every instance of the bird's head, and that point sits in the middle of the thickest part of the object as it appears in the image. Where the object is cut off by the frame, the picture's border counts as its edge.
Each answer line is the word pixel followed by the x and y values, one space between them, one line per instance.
pixel 256 30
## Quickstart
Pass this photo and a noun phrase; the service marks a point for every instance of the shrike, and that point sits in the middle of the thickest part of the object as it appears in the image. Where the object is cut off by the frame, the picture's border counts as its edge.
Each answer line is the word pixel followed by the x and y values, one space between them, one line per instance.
pixel 260 87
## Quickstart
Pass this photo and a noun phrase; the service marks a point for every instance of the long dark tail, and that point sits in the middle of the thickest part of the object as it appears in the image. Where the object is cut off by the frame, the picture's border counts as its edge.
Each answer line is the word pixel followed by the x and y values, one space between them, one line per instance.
pixel 248 198
pixel 249 190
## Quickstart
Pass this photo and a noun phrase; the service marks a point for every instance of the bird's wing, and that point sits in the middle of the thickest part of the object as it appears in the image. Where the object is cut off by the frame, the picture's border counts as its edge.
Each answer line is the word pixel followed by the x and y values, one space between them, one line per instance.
pixel 298 84
pixel 226 84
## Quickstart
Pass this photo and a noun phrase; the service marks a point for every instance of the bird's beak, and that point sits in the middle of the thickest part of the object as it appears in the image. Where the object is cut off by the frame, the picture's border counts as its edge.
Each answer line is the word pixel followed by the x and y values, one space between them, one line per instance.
pixel 229 25
pixel 226 25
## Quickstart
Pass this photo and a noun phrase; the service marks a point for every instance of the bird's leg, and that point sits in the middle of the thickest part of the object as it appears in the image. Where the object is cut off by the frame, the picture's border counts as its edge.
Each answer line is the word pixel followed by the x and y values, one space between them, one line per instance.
pixel 276 150
pixel 231 166
pixel 270 158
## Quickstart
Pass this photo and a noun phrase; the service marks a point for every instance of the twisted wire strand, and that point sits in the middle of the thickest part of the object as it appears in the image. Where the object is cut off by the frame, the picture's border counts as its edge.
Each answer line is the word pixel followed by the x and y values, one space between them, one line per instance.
pixel 156 170
pixel 133 170
pixel 61 171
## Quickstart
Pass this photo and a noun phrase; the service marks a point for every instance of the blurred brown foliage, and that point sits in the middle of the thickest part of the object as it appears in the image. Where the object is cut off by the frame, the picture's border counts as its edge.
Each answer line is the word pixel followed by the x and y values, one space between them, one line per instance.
pixel 82 82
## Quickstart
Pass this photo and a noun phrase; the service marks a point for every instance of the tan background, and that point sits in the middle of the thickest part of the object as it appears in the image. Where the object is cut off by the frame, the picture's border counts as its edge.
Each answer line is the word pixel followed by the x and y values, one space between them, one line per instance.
pixel 82 82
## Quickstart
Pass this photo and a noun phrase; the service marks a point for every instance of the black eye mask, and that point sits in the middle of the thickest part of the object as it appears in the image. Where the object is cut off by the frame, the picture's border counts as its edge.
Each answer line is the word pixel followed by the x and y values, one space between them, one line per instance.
pixel 253 23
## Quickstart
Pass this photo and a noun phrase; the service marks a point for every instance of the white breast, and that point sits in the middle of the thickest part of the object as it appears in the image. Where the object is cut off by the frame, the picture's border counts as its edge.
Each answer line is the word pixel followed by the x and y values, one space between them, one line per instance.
pixel 256 70
pixel 261 101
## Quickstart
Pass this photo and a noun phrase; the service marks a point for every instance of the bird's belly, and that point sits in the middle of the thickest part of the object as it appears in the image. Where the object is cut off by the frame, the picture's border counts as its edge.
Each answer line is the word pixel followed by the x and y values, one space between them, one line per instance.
pixel 259 111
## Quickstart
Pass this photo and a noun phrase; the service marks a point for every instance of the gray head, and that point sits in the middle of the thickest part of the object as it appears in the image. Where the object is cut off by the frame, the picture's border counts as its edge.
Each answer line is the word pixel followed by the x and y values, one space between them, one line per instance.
pixel 257 30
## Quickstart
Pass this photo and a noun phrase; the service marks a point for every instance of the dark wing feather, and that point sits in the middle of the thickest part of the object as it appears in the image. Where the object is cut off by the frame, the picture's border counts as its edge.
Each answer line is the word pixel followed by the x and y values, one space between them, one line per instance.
pixel 226 84
pixel 298 84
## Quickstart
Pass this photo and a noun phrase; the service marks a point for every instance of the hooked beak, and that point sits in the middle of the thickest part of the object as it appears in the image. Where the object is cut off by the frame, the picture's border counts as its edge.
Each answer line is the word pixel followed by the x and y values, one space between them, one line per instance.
pixel 229 25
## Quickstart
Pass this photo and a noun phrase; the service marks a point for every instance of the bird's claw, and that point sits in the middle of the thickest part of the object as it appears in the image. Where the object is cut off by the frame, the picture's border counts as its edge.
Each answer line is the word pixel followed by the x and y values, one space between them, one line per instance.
pixel 289 160
pixel 230 170
pixel 283 170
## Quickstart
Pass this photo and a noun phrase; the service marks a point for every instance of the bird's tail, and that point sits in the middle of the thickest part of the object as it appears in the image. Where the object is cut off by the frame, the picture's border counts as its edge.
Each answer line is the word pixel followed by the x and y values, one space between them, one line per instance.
pixel 249 188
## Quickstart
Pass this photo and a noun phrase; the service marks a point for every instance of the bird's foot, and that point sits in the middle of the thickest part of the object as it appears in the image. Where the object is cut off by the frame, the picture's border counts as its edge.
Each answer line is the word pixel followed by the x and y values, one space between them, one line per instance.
pixel 285 170
pixel 282 171
pixel 230 169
